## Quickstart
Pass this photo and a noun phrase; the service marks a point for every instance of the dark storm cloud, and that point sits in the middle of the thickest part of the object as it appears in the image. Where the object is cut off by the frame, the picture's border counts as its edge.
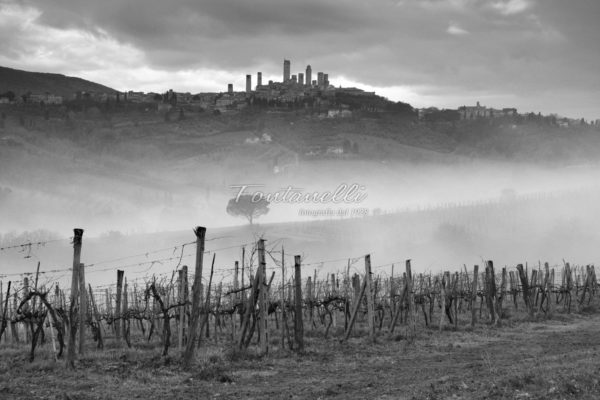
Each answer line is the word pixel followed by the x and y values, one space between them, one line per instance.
pixel 223 24
pixel 143 21
pixel 521 47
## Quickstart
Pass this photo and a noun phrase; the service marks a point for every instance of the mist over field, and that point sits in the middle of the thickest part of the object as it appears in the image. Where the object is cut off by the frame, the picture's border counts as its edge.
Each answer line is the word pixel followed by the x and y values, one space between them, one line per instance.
pixel 137 189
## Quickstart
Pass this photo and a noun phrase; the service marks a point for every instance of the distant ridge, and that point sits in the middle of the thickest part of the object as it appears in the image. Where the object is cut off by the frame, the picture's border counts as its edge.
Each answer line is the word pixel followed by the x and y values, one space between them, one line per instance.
pixel 21 82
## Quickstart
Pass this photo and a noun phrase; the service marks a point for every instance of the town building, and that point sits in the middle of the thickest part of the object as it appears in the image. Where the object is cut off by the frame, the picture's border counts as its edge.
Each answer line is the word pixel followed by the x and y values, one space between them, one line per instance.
pixel 134 97
pixel 424 112
pixel 479 111
pixel 106 97
pixel 45 98
pixel 183 98
pixel 339 113
pixel 473 112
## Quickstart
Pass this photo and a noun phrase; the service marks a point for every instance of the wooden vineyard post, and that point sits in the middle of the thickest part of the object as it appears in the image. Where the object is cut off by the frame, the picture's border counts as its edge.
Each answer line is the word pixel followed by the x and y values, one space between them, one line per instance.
pixel 57 297
pixel 71 349
pixel 14 329
pixel 236 298
pixel 569 286
pixel 332 294
pixel 4 312
pixel 216 323
pixel 548 290
pixel 356 286
pixel 590 281
pixel 490 292
pixel 575 285
pixel 96 318
pixel 356 308
pixel 309 298
pixel 206 307
pixel 312 296
pixel 263 299
pixel 188 355
pixel 298 323
pixel 35 286
pixel 82 308
pixel 28 327
pixel 369 294
pixel 553 297
pixel 411 327
pixel 282 303
pixel 513 288
pixel 181 309
pixel 118 301
pixel 243 264
pixel 586 285
pixel 484 281
pixel 474 295
pixel 14 326
pixel 533 289
pixel 249 312
pixel 186 296
pixel 455 298
pixel 443 298
pixel 347 296
pixel 52 322
pixel 109 310
pixel 525 286
pixel 125 314
pixel 1 313
pixel 392 292
pixel 500 297
pixel 431 295
pixel 136 304
pixel 594 281
pixel 236 280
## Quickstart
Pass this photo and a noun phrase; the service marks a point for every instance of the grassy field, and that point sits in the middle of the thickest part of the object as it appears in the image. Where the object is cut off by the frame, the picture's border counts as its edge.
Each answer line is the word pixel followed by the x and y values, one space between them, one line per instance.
pixel 550 359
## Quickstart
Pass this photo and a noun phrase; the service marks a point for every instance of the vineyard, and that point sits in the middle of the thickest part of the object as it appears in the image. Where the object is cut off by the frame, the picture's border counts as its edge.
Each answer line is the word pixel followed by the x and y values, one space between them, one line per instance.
pixel 271 304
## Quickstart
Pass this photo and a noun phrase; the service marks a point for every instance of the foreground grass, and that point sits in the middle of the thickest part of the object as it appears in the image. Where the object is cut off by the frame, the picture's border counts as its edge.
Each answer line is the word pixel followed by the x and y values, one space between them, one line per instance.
pixel 522 360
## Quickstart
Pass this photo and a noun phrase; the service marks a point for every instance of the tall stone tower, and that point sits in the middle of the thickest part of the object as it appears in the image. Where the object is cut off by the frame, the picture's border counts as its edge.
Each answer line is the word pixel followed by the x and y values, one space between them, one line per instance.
pixel 248 83
pixel 259 79
pixel 286 71
pixel 320 79
pixel 308 75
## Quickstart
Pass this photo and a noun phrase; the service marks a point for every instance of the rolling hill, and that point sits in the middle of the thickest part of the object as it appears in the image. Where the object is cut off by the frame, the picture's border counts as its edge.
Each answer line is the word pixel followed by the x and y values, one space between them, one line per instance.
pixel 21 82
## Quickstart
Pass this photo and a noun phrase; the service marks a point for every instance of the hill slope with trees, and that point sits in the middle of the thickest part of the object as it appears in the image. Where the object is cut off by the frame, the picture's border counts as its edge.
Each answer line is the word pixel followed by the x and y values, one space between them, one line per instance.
pixel 21 82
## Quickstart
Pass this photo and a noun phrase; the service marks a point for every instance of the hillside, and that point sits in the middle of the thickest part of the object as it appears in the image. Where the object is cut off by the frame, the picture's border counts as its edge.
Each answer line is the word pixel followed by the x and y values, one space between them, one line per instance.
pixel 394 133
pixel 21 82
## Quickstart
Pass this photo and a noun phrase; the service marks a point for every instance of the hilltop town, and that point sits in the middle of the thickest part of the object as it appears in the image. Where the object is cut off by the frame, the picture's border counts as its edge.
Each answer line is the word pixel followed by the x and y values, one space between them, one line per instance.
pixel 294 92
pixel 296 118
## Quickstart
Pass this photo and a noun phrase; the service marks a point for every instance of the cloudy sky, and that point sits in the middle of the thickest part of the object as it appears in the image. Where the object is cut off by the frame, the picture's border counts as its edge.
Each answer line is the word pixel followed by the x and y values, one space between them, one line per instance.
pixel 537 55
